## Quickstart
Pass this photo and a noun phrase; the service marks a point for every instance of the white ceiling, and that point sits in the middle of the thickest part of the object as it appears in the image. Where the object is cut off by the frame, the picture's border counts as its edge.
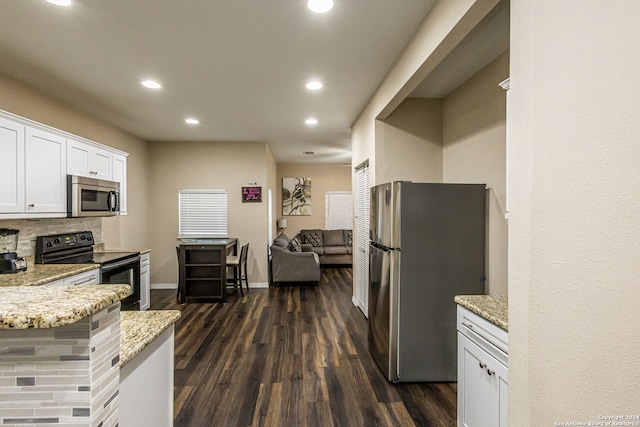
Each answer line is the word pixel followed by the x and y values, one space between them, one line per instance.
pixel 238 65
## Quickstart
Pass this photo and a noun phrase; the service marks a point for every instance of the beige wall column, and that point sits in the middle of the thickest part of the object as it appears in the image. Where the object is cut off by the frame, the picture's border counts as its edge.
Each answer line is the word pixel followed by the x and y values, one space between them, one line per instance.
pixel 574 233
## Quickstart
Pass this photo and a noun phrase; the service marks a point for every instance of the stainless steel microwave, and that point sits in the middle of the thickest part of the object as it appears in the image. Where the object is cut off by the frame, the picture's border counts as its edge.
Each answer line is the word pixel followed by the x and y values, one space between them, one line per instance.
pixel 92 197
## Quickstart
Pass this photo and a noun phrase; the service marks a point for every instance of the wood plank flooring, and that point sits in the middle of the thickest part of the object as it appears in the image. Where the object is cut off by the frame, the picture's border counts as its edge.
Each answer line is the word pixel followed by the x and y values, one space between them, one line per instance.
pixel 290 356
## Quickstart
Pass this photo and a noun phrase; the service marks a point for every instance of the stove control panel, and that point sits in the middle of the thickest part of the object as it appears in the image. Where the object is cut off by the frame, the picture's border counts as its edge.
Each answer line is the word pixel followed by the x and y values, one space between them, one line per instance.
pixel 47 245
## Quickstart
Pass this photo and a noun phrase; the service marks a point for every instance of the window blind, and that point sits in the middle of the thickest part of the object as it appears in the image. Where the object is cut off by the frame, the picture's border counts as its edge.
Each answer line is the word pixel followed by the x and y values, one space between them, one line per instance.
pixel 202 213
pixel 338 210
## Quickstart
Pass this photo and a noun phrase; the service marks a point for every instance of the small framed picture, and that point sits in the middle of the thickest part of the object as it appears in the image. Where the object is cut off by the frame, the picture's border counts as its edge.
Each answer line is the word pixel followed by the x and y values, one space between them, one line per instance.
pixel 251 194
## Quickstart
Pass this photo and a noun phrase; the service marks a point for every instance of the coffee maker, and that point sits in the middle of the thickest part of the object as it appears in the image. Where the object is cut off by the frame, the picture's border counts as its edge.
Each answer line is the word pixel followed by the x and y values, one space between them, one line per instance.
pixel 10 262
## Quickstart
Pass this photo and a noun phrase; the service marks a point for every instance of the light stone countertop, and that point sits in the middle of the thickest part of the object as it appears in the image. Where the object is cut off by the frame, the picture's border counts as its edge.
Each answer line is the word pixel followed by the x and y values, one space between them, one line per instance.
pixel 39 274
pixel 139 328
pixel 24 307
pixel 99 248
pixel 493 308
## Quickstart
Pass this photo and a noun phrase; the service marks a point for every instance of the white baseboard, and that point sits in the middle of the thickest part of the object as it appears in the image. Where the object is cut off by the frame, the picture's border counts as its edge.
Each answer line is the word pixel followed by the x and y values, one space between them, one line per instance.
pixel 164 286
pixel 175 285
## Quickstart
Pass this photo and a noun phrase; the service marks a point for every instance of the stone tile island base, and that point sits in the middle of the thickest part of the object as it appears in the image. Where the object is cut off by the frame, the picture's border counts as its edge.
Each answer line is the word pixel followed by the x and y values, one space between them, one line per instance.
pixel 66 375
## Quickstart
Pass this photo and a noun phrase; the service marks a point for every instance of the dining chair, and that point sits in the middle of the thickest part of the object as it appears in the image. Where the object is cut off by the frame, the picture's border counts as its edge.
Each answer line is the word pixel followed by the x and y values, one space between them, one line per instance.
pixel 239 266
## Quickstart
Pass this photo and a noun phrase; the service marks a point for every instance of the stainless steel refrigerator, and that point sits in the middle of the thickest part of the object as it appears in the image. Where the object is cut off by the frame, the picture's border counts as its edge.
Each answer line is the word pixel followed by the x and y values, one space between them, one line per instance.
pixel 427 245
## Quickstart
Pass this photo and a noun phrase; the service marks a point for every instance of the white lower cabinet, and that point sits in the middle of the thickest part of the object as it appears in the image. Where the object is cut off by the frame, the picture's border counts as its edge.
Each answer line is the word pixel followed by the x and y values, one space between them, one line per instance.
pixel 482 372
pixel 145 281
pixel 146 385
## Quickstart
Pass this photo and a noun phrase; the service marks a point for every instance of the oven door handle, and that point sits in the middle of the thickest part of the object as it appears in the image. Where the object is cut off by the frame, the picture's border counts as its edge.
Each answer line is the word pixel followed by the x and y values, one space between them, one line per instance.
pixel 110 267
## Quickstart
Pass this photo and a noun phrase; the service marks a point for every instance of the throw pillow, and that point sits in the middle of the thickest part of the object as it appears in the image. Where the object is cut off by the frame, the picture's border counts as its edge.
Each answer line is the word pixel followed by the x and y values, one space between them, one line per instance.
pixel 295 245
pixel 313 237
pixel 348 237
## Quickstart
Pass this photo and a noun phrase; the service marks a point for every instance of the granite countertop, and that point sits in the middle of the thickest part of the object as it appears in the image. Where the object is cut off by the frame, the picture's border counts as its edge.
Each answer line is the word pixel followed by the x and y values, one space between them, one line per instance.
pixel 99 248
pixel 39 274
pixel 139 328
pixel 490 307
pixel 23 307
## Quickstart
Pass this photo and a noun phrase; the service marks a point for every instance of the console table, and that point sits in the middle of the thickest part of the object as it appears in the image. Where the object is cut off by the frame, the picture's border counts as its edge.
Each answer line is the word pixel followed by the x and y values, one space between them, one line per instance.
pixel 203 267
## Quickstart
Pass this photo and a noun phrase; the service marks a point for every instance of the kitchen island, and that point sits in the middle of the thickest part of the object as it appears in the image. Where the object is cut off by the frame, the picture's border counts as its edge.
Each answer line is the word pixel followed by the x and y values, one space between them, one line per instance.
pixel 64 351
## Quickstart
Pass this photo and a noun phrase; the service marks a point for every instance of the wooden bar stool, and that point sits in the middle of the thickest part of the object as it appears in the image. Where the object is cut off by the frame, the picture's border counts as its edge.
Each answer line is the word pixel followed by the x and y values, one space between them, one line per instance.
pixel 239 266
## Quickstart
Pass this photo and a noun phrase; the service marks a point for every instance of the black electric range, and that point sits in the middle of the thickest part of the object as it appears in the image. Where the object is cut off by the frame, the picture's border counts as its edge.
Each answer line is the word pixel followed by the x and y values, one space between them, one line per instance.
pixel 77 248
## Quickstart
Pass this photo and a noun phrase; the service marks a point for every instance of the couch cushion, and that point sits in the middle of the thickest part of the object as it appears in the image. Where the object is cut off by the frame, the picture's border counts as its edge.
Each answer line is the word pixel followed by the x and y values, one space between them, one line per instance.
pixel 349 250
pixel 295 245
pixel 333 238
pixel 335 250
pixel 282 241
pixel 318 249
pixel 314 237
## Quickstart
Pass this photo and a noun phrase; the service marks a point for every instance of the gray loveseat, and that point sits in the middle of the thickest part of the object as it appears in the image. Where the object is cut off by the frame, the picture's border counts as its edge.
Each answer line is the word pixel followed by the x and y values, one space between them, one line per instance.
pixel 289 265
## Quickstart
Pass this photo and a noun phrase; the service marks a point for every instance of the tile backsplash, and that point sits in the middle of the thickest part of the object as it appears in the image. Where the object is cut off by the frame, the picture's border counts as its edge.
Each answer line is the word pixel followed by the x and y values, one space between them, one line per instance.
pixel 32 228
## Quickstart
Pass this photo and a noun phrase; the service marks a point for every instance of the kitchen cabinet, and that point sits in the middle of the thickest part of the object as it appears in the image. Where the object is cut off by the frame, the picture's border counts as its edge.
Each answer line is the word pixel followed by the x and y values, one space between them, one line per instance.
pixel 12 170
pixel 120 175
pixel 33 172
pixel 145 281
pixel 146 385
pixel 35 161
pixel 46 172
pixel 88 160
pixel 482 372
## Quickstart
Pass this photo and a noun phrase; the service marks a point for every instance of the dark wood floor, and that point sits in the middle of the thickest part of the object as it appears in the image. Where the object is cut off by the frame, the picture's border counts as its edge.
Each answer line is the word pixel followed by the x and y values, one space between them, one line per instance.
pixel 290 356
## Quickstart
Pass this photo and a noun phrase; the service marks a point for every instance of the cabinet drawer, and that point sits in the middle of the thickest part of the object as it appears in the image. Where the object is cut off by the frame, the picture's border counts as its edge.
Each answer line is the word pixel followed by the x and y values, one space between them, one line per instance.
pixel 87 278
pixel 489 335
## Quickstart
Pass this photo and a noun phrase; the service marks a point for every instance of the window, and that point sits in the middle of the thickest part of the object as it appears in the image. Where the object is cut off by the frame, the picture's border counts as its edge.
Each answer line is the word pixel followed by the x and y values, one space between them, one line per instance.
pixel 338 210
pixel 202 213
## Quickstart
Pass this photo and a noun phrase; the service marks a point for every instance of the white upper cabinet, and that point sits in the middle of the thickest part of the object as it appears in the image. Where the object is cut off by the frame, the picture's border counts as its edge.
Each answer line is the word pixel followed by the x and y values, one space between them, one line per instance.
pixel 12 169
pixel 87 160
pixel 120 175
pixel 45 172
pixel 36 160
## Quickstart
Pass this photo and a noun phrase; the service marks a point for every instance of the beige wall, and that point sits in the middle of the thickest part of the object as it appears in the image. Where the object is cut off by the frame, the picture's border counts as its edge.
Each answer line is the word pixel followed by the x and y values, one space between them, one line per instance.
pixel 324 177
pixel 128 231
pixel 445 26
pixel 409 142
pixel 200 165
pixel 574 234
pixel 474 141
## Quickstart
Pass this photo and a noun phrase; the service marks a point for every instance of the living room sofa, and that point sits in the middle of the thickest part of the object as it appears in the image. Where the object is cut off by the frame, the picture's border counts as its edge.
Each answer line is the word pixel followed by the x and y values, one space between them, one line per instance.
pixel 334 247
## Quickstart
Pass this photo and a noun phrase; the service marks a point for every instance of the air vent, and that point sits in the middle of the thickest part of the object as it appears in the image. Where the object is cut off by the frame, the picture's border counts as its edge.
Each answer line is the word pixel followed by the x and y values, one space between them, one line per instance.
pixel 308 153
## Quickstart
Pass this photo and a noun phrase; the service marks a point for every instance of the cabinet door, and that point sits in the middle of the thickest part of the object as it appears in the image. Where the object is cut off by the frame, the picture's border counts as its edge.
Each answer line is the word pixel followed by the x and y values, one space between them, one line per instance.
pixel 12 169
pixel 482 387
pixel 46 170
pixel 86 160
pixel 145 282
pixel 120 175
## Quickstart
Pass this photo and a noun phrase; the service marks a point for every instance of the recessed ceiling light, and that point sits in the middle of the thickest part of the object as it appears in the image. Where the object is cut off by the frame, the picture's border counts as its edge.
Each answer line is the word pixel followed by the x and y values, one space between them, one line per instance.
pixel 60 2
pixel 311 121
pixel 192 121
pixel 314 85
pixel 320 6
pixel 151 84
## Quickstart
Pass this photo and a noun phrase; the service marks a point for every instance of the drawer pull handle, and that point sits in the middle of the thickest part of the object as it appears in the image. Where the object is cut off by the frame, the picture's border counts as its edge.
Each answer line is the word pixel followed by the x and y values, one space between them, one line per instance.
pixel 482 365
pixel 491 372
